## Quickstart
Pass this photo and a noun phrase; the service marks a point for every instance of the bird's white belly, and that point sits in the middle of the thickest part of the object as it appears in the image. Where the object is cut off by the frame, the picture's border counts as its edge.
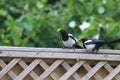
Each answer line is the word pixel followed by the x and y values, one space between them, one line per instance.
pixel 69 43
pixel 90 46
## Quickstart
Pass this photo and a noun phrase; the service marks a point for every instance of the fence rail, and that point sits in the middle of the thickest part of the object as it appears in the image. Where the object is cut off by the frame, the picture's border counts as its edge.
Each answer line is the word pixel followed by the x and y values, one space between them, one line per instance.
pixel 25 63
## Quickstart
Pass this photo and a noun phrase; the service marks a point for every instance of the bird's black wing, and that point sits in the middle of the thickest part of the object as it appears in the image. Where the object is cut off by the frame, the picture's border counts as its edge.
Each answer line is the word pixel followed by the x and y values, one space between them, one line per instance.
pixel 70 35
pixel 98 41
pixel 75 45
pixel 95 42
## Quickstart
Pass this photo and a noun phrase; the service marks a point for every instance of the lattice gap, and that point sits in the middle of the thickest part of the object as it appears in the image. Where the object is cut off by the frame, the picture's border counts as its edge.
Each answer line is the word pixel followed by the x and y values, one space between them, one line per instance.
pixel 55 69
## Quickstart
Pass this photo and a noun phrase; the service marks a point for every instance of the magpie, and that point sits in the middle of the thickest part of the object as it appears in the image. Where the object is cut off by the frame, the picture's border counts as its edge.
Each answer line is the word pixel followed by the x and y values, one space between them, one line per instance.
pixel 68 40
pixel 94 45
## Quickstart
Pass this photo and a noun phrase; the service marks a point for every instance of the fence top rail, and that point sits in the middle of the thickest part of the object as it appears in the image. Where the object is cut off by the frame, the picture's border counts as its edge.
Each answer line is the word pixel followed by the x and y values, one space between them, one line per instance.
pixel 58 53
pixel 60 50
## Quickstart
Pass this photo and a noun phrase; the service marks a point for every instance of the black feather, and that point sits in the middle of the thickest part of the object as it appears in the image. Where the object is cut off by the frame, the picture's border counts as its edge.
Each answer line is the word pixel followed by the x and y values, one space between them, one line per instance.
pixel 65 36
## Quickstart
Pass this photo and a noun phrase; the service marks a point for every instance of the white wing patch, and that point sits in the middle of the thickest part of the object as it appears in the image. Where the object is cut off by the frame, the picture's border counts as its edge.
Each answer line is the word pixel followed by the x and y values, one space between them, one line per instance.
pixel 70 35
pixel 89 46
pixel 73 36
pixel 70 42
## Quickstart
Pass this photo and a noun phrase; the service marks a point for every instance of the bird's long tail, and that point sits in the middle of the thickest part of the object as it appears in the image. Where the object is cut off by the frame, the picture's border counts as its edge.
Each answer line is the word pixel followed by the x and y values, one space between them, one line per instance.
pixel 114 41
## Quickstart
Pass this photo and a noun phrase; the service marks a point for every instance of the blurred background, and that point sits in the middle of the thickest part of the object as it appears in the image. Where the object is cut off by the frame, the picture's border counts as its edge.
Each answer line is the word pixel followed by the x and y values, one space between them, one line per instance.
pixel 34 23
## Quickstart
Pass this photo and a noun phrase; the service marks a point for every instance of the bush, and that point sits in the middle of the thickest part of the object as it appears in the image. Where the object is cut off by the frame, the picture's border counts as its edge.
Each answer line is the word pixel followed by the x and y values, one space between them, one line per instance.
pixel 34 23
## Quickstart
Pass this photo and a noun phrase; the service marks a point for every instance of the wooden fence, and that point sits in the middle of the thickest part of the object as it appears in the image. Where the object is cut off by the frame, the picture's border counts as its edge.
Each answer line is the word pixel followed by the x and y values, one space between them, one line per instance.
pixel 20 63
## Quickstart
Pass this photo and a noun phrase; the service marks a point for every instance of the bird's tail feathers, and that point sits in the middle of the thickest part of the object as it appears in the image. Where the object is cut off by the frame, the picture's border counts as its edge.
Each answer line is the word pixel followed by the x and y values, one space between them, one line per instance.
pixel 114 41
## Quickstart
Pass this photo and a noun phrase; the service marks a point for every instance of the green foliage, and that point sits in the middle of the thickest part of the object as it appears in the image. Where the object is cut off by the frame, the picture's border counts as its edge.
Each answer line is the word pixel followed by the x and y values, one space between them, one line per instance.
pixel 34 23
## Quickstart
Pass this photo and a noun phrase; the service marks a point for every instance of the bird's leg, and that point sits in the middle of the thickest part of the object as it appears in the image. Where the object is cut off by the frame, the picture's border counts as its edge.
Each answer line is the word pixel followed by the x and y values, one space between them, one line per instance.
pixel 95 51
pixel 74 47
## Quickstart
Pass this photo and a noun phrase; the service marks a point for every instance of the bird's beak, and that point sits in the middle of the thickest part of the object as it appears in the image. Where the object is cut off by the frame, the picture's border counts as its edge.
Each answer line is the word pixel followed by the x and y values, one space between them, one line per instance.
pixel 58 30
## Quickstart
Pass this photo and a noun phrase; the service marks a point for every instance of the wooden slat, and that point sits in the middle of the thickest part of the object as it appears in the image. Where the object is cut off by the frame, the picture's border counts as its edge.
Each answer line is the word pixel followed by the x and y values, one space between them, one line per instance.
pixel 49 70
pixel 109 69
pixel 88 68
pixel 67 67
pixel 103 56
pixel 93 70
pixel 31 49
pixel 72 70
pixel 9 67
pixel 53 74
pixel 113 73
pixel 24 66
pixel 28 69
pixel 10 73
pixel 61 55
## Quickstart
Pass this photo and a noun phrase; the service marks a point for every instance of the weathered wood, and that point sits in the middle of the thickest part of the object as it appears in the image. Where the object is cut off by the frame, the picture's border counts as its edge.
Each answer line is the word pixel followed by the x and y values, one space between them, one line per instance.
pixel 28 69
pixel 53 74
pixel 88 68
pixel 24 66
pixel 109 68
pixel 60 55
pixel 60 50
pixel 9 67
pixel 93 70
pixel 10 73
pixel 67 67
pixel 21 63
pixel 72 70
pixel 49 70
pixel 113 73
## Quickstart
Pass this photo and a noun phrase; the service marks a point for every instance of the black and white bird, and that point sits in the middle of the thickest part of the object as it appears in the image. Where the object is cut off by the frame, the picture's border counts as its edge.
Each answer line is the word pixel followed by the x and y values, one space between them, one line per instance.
pixel 94 45
pixel 68 40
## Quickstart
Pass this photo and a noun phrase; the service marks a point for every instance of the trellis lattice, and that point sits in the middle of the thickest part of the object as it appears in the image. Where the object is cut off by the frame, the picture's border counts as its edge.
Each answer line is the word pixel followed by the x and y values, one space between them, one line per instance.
pixel 18 63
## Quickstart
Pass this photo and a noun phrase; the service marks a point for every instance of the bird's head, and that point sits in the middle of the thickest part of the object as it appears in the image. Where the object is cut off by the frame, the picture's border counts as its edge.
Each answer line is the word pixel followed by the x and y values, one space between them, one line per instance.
pixel 62 31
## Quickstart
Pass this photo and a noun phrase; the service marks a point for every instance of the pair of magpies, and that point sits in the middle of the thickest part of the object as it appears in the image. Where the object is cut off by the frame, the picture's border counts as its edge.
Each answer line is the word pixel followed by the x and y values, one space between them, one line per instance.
pixel 70 41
